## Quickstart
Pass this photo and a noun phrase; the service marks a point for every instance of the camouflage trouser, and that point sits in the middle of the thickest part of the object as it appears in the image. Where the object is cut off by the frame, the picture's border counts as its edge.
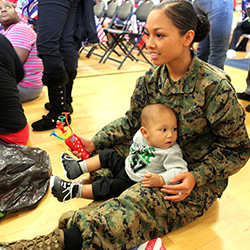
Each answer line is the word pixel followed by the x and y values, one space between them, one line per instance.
pixel 137 215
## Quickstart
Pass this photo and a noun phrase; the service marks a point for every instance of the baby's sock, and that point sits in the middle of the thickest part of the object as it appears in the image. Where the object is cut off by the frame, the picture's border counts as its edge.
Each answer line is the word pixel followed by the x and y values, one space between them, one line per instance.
pixel 83 166
pixel 78 191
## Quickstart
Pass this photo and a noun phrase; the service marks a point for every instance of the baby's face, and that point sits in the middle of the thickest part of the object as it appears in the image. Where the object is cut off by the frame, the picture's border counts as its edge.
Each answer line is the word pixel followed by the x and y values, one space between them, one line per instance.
pixel 162 130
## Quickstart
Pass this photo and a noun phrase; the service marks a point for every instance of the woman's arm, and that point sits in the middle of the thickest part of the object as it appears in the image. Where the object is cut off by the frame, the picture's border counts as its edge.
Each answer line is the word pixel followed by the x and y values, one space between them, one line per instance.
pixel 230 148
pixel 22 37
pixel 22 53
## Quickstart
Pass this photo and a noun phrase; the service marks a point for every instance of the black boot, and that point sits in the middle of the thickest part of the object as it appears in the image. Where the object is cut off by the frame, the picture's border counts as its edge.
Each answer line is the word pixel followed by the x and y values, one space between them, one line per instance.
pixel 69 86
pixel 56 92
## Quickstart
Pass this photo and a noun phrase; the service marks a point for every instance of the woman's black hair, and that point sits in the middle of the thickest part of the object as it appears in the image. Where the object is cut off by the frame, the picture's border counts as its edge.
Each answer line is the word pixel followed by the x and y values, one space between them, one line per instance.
pixel 184 17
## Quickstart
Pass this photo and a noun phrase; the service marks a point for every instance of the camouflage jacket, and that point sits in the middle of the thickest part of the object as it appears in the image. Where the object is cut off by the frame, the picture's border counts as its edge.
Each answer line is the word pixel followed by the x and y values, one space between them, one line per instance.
pixel 211 122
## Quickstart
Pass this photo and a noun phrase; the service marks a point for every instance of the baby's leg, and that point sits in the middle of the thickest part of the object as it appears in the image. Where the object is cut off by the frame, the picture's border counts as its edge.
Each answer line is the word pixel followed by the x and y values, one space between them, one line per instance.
pixel 93 163
pixel 74 168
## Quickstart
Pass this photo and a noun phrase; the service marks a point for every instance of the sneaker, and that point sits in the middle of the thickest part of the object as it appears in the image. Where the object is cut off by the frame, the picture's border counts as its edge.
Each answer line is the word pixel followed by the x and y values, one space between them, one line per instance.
pixel 71 166
pixel 243 96
pixel 231 53
pixel 53 241
pixel 63 190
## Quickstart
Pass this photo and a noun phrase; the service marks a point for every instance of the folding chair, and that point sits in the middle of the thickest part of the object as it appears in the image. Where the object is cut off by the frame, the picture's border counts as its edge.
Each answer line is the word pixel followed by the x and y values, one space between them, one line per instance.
pixel 124 13
pixel 99 9
pixel 135 38
pixel 106 14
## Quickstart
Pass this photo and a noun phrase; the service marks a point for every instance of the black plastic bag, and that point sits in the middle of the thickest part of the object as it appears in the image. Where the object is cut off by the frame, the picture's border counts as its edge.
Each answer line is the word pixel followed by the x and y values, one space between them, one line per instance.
pixel 24 177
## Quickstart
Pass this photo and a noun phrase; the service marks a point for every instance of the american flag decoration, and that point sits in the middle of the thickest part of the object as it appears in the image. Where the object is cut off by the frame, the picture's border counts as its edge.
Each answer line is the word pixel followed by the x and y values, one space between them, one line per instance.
pixel 100 33
pixel 155 244
pixel 30 8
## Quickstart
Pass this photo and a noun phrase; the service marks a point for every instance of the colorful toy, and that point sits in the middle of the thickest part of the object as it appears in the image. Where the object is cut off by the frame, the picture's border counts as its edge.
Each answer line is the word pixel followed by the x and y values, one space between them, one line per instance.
pixel 71 140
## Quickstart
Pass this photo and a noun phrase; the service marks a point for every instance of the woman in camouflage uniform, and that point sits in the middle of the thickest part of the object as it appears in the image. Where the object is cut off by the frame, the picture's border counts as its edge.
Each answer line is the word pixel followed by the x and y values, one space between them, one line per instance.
pixel 211 131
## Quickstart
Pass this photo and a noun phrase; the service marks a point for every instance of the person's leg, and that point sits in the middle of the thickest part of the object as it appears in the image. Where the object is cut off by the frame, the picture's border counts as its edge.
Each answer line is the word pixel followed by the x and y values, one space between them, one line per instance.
pixel 74 168
pixel 56 92
pixel 68 94
pixel 28 94
pixel 65 190
pixel 242 45
pixel 220 15
pixel 51 21
pixel 108 187
pixel 203 47
pixel 241 28
pixel 107 159
pixel 236 37
pixel 53 241
pixel 247 91
pixel 68 50
pixel 220 18
pixel 102 189
pixel 231 53
pixel 72 239
pixel 246 94
pixel 137 215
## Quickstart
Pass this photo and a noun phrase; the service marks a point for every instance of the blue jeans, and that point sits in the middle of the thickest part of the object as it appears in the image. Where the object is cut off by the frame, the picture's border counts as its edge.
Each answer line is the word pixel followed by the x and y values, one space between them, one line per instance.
pixel 220 15
pixel 55 35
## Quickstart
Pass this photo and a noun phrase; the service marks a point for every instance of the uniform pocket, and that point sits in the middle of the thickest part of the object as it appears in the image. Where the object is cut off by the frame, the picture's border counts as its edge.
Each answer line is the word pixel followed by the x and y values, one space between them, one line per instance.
pixel 192 123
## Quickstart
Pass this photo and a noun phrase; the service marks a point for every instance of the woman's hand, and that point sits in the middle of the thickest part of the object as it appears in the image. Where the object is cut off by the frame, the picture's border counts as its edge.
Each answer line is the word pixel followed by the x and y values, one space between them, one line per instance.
pixel 88 145
pixel 180 191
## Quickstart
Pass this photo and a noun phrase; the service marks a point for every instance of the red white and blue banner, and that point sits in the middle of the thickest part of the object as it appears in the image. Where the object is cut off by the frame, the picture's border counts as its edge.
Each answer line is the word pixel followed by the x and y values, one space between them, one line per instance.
pixel 155 244
pixel 30 8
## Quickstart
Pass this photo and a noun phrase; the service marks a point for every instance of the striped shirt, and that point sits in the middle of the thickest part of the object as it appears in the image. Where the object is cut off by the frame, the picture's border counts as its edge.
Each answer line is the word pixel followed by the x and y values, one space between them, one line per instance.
pixel 23 36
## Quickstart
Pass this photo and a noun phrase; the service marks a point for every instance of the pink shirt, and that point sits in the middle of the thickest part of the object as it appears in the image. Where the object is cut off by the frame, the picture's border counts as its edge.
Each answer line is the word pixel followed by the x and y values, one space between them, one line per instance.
pixel 23 36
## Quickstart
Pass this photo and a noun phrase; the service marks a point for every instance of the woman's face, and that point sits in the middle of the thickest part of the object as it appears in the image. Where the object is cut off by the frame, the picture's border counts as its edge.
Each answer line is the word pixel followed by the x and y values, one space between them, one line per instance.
pixel 8 15
pixel 163 39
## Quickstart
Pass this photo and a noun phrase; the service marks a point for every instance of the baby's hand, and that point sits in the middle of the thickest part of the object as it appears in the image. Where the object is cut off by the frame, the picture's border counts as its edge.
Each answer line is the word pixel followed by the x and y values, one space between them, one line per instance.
pixel 152 180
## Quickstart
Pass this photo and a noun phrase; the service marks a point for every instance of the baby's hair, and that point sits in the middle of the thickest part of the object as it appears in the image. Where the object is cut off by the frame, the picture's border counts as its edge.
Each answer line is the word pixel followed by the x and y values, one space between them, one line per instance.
pixel 150 109
pixel 184 17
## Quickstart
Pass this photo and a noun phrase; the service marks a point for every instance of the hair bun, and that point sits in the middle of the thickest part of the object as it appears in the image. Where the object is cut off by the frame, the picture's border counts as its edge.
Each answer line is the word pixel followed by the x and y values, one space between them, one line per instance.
pixel 202 29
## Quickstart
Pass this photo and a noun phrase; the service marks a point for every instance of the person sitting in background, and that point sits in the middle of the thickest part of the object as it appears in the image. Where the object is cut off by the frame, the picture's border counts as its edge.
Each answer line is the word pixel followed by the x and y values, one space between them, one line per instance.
pixel 246 94
pixel 13 124
pixel 241 28
pixel 23 39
